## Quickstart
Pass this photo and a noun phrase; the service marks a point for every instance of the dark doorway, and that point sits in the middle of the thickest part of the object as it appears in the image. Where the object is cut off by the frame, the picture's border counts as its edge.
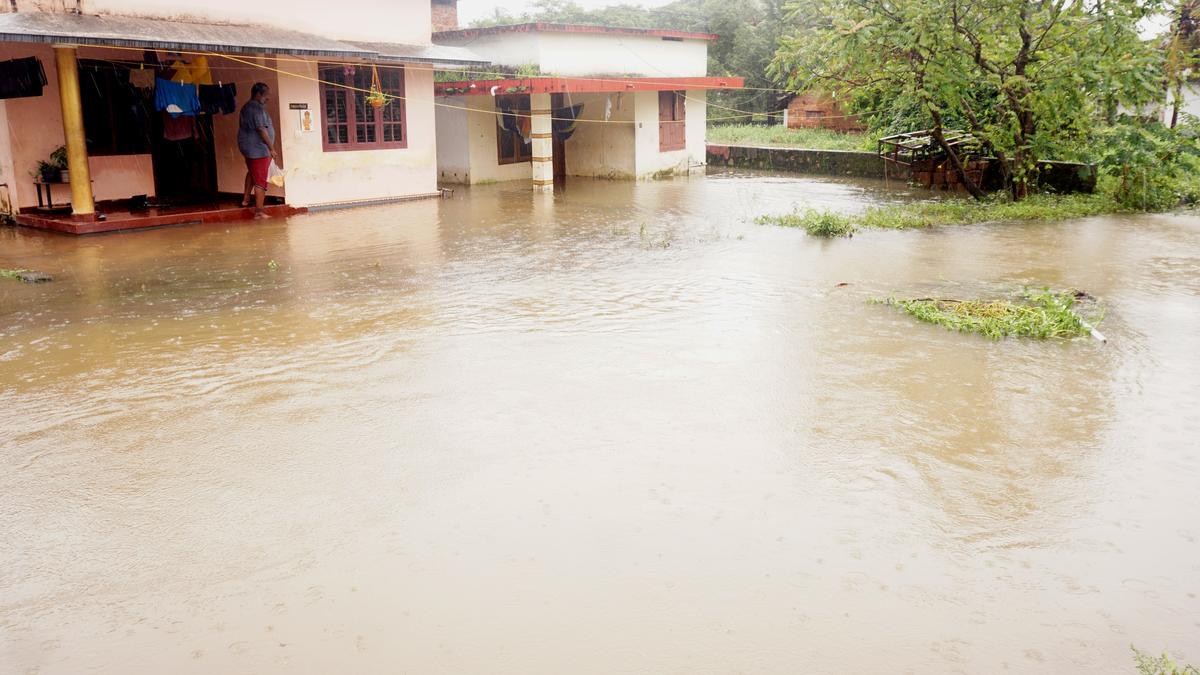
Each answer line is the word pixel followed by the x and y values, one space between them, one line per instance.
pixel 557 103
pixel 184 170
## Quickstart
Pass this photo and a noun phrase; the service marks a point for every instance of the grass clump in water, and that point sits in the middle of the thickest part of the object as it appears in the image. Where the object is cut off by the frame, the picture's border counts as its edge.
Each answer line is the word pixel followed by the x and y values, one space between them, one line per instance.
pixel 930 213
pixel 12 274
pixel 780 136
pixel 1033 314
pixel 815 222
pixel 996 209
pixel 1160 665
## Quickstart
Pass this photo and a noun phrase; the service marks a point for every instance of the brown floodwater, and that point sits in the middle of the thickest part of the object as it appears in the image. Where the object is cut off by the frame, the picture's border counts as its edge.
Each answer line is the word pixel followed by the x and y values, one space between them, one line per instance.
pixel 623 429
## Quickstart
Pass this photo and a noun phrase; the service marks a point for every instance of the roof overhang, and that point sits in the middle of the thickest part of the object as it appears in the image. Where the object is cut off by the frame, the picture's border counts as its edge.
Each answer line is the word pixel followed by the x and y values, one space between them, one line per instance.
pixel 438 55
pixel 469 34
pixel 581 85
pixel 141 33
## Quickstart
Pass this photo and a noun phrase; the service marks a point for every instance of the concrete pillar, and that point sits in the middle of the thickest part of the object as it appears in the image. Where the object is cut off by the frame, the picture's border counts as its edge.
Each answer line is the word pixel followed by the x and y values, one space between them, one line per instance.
pixel 82 203
pixel 542 132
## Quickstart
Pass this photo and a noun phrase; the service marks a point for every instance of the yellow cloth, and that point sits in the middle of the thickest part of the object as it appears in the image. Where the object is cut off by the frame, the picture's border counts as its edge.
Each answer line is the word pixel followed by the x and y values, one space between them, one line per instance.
pixel 196 72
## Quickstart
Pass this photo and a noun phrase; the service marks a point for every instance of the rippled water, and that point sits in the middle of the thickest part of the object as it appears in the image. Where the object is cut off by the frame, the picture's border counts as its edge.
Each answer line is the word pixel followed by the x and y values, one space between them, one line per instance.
pixel 623 429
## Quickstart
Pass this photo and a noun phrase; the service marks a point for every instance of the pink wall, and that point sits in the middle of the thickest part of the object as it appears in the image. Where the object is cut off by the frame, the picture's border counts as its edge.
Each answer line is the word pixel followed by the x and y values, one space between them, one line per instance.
pixel 314 176
pixel 34 130
pixel 317 177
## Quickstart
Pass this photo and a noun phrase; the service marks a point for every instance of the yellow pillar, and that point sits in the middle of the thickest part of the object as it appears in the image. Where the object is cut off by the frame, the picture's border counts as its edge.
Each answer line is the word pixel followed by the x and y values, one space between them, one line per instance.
pixel 82 203
pixel 542 131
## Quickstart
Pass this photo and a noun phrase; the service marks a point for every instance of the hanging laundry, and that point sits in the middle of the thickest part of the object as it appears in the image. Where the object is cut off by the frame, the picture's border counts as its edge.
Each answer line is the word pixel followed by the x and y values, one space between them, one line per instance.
pixel 21 78
pixel 142 78
pixel 218 98
pixel 565 120
pixel 178 128
pixel 175 98
pixel 196 72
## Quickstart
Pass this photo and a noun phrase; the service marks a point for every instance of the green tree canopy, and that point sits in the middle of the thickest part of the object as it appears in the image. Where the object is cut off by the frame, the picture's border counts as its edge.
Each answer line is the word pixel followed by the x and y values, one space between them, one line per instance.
pixel 1029 77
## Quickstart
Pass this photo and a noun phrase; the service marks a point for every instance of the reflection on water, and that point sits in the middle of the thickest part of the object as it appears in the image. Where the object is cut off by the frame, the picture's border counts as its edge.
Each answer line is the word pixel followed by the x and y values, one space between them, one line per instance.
pixel 618 429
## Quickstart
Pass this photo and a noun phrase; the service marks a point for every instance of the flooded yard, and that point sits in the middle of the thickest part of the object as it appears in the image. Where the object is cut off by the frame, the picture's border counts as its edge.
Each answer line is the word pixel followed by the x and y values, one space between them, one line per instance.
pixel 619 430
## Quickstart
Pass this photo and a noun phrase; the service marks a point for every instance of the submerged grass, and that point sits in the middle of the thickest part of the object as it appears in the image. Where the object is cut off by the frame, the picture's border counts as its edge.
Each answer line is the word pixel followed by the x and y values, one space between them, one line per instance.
pixel 814 222
pixel 1035 314
pixel 11 274
pixel 949 212
pixel 780 136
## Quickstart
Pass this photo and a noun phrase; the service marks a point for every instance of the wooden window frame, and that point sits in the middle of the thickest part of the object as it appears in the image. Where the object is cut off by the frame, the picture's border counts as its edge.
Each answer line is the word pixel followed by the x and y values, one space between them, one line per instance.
pixel 672 125
pixel 514 139
pixel 332 83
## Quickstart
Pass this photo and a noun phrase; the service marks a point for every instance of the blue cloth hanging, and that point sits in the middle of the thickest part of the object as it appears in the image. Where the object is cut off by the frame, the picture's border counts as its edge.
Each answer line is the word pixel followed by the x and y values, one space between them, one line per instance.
pixel 182 96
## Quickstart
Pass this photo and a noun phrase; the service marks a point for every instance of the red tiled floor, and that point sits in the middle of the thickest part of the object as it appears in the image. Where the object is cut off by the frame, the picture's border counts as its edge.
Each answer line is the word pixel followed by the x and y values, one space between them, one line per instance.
pixel 117 219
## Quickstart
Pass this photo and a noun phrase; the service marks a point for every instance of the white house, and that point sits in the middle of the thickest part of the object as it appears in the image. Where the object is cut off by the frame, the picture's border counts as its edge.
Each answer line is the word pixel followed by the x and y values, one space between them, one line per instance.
pixel 572 100
pixel 102 60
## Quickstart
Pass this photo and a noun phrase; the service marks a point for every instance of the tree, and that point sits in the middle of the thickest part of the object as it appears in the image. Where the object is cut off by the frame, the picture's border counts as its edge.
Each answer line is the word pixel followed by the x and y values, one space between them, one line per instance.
pixel 1028 77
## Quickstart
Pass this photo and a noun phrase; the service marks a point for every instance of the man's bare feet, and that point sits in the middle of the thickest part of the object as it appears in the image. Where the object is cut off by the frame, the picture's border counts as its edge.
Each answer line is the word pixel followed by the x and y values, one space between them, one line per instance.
pixel 259 214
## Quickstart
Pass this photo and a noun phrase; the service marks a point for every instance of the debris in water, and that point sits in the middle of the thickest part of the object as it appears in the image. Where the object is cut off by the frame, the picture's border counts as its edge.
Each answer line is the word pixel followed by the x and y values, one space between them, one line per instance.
pixel 1034 314
pixel 28 276
pixel 272 265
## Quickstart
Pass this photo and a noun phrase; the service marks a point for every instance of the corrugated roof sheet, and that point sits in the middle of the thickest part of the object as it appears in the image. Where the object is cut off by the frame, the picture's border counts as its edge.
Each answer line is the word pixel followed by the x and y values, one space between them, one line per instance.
pixel 124 31
pixel 464 34
pixel 437 54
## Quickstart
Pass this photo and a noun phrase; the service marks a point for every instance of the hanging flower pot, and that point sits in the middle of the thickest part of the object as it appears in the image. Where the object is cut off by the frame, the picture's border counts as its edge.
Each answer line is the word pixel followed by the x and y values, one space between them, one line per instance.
pixel 376 97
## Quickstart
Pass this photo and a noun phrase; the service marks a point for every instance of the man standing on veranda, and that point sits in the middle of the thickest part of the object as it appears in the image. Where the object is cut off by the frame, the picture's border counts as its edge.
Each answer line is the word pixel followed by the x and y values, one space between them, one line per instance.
pixel 256 141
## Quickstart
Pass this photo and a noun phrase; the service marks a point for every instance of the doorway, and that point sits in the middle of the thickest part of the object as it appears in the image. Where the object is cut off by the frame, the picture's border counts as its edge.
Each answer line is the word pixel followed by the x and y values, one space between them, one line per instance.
pixel 557 104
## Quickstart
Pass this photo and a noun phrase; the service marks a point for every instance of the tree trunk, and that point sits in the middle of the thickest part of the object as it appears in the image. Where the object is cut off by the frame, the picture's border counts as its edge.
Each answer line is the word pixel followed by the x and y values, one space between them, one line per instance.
pixel 972 188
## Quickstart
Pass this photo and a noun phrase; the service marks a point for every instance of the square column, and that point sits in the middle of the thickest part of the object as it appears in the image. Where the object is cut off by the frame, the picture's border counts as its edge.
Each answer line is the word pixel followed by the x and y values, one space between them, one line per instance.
pixel 541 131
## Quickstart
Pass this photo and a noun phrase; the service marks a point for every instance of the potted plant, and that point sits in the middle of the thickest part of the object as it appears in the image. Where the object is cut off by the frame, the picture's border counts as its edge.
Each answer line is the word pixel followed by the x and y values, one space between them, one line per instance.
pixel 58 158
pixel 47 172
pixel 376 98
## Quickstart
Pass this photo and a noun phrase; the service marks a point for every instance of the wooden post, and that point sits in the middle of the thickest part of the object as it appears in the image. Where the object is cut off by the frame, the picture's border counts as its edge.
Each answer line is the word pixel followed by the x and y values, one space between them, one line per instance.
pixel 541 129
pixel 82 203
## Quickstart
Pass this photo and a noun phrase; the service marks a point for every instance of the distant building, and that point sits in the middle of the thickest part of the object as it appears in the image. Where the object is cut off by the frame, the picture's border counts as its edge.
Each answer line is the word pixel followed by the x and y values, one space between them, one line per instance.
pixel 591 101
pixel 819 110
pixel 102 65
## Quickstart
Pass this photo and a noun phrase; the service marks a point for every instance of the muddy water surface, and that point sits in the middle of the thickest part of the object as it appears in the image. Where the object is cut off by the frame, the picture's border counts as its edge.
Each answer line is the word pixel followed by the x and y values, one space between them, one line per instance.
pixel 623 429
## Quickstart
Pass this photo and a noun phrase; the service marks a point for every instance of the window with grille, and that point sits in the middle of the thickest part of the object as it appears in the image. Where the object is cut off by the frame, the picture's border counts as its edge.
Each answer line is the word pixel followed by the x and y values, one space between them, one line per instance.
pixel 671 121
pixel 350 121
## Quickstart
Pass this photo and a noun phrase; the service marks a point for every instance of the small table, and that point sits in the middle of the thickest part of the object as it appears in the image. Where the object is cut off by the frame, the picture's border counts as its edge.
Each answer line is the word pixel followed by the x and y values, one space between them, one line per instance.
pixel 49 203
pixel 38 183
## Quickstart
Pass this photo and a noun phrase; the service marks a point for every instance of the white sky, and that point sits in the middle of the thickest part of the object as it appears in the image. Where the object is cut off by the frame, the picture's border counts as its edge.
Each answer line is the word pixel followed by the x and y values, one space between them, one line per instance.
pixel 469 10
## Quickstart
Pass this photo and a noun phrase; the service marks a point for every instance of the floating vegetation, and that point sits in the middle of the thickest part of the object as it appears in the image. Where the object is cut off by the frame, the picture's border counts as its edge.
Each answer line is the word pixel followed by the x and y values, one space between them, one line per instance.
pixel 1034 314
pixel 930 213
pixel 1148 664
pixel 28 276
pixel 814 222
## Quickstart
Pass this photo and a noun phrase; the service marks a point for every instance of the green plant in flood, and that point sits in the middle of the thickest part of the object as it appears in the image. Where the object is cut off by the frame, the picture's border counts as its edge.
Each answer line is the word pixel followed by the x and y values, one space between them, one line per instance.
pixel 11 274
pixel 932 213
pixel 1160 665
pixel 815 222
pixel 1034 314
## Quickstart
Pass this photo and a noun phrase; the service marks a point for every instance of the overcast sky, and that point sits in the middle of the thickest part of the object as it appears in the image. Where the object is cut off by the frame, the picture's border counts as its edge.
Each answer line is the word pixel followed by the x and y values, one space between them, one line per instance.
pixel 469 10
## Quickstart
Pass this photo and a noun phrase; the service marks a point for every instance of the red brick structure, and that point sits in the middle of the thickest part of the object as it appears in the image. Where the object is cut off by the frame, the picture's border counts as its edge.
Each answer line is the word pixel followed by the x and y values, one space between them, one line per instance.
pixel 817 110
pixel 444 14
